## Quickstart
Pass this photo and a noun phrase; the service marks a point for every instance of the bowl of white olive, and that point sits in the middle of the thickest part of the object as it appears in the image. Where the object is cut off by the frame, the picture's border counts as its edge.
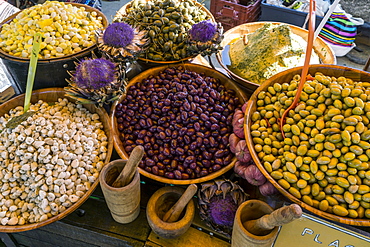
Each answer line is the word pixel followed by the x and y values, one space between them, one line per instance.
pixel 51 156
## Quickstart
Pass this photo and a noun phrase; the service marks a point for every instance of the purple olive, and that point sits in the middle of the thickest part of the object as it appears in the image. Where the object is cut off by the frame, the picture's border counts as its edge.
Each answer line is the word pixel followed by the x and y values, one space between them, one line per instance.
pixel 161 166
pixel 193 165
pixel 149 162
pixel 219 153
pixel 169 175
pixel 155 170
pixel 203 173
pixel 177 174
pixel 190 159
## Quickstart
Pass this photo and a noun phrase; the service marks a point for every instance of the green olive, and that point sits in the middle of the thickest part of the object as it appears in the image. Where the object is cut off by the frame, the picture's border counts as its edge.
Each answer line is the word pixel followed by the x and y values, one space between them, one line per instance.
pixel 295 130
pixel 157 57
pixel 356 92
pixel 364 145
pixel 350 120
pixel 151 33
pixel 335 138
pixel 158 23
pixel 365 136
pixel 349 101
pixel 323 160
pixel 357 111
pixel 319 138
pixel 165 29
pixel 337 118
pixel 333 112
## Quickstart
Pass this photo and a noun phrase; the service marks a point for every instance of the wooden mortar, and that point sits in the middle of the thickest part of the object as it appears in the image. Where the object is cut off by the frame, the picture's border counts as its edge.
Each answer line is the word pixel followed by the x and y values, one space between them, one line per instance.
pixel 256 223
pixel 160 203
pixel 123 202
pixel 128 172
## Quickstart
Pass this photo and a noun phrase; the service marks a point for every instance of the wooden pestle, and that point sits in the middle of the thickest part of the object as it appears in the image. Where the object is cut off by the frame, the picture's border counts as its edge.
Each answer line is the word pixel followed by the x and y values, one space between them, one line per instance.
pixel 174 212
pixel 128 172
pixel 266 223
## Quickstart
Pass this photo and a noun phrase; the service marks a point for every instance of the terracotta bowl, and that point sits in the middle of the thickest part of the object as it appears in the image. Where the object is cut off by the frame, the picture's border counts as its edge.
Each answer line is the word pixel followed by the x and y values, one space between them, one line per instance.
pixel 324 51
pixel 286 76
pixel 148 62
pixel 52 95
pixel 119 145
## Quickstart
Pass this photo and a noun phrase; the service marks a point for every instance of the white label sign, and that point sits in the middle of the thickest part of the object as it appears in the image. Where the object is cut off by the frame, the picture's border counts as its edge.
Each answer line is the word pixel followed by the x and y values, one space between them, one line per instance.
pixel 309 231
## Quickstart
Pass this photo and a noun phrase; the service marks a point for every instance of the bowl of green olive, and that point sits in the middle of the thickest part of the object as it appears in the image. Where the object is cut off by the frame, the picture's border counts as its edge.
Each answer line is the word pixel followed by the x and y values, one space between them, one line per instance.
pixel 322 164
pixel 167 24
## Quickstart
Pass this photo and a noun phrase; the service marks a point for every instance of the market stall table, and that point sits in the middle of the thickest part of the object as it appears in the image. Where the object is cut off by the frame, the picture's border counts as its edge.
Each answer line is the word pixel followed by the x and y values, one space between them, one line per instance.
pixel 92 224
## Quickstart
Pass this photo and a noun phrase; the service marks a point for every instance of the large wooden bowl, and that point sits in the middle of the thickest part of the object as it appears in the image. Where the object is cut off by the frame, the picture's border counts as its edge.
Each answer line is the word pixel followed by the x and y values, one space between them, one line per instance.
pixel 122 12
pixel 286 76
pixel 325 53
pixel 119 146
pixel 52 95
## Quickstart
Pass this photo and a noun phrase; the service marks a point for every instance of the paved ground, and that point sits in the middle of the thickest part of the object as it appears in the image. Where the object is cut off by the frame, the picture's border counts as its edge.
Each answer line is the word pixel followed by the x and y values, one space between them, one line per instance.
pixel 354 59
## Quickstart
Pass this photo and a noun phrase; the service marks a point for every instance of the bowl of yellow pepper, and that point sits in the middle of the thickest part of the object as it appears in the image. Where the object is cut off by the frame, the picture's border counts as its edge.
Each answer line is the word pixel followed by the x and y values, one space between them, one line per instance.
pixel 68 32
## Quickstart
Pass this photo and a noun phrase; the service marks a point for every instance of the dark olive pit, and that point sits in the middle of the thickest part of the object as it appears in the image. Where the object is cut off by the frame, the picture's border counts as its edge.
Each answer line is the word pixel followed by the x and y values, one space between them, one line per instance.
pixel 183 121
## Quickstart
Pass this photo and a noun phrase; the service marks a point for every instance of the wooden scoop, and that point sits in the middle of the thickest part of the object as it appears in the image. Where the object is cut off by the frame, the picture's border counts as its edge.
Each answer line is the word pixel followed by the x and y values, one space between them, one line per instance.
pixel 311 33
pixel 173 214
pixel 266 223
pixel 127 173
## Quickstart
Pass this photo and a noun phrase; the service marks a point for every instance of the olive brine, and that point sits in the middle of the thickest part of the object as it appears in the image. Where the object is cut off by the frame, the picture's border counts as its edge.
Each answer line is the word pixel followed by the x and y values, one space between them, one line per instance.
pixel 183 120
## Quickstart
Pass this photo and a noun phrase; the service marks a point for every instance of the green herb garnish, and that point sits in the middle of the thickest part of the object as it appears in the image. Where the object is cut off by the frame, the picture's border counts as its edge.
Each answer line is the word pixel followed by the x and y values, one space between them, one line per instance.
pixel 15 121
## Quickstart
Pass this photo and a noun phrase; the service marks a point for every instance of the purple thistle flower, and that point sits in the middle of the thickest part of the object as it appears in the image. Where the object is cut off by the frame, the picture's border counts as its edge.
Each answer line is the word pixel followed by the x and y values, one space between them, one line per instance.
pixel 118 34
pixel 94 73
pixel 222 211
pixel 203 31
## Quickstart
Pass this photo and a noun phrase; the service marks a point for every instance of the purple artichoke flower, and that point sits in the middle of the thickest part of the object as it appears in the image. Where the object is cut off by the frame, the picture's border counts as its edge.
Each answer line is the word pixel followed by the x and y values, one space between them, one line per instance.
pixel 94 73
pixel 203 31
pixel 222 210
pixel 118 34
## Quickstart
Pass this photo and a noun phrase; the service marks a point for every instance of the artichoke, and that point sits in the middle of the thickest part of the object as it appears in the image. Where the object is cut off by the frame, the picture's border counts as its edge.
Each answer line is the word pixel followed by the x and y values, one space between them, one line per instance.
pixel 204 38
pixel 121 43
pixel 218 201
pixel 96 81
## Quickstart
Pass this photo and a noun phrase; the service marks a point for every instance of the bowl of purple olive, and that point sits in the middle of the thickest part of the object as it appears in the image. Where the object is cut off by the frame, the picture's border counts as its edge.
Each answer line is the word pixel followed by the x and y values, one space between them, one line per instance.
pixel 182 116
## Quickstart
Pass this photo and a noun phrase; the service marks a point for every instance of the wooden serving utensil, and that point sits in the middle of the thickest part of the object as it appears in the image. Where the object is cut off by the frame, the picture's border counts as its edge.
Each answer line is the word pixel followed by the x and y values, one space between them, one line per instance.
pixel 311 33
pixel 281 216
pixel 128 171
pixel 174 212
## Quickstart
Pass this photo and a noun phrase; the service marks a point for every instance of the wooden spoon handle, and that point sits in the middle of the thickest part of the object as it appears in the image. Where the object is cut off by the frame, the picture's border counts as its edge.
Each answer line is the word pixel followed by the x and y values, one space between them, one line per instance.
pixel 173 214
pixel 279 217
pixel 128 171
pixel 310 40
